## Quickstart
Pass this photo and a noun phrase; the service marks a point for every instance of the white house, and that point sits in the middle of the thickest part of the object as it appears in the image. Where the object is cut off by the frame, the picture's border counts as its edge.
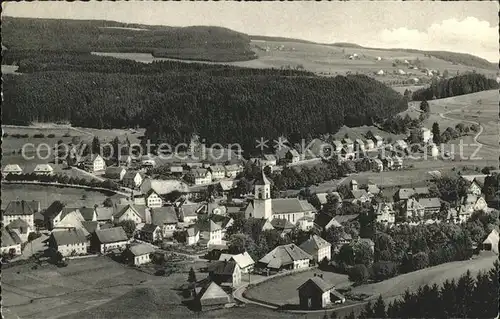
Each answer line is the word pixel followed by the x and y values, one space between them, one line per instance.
pixel 127 212
pixel 426 135
pixel 218 172
pixel 11 243
pixel 385 213
pixel 267 160
pixel 12 169
pixel 377 165
pixel 292 156
pixel 166 218
pixel 369 144
pixel 139 254
pixel 233 170
pixel 68 242
pixel 43 169
pixel 286 257
pixel 115 172
pixel 192 236
pixel 215 232
pixel 109 239
pixel 202 176
pixel 19 209
pixel 243 260
pixel 150 233
pixel 21 228
pixel 94 163
pixel 318 248
pixel 153 200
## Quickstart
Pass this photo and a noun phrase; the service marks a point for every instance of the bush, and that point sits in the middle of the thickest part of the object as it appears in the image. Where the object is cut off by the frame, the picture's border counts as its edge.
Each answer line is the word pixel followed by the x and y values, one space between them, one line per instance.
pixel 382 270
pixel 25 136
pixel 5 134
pixel 38 135
pixel 358 274
pixel 67 135
pixel 51 135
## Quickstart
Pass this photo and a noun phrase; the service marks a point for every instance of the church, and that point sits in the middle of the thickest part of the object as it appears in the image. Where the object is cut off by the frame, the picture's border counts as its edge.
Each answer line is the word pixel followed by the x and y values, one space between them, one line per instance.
pixel 263 206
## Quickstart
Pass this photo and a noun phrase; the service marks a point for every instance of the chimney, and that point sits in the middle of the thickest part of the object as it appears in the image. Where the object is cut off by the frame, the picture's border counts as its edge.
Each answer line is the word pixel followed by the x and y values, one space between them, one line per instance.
pixel 320 276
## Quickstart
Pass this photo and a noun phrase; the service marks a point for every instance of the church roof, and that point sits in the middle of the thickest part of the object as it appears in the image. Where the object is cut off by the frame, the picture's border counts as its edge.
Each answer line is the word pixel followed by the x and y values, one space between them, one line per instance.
pixel 262 180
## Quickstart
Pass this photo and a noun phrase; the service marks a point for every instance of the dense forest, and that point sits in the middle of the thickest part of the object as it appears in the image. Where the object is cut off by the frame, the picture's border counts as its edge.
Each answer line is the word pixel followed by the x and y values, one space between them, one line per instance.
pixel 459 85
pixel 195 43
pixel 223 104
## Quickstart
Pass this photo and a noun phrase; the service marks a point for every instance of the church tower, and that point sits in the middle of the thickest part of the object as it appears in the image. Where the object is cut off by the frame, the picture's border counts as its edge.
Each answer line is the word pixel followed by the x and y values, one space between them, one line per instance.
pixel 262 203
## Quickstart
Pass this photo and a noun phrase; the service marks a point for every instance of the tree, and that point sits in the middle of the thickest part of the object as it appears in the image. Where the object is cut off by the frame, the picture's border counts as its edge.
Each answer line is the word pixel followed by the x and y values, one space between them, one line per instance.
pixel 436 138
pixel 424 106
pixel 108 202
pixel 189 178
pixel 191 276
pixel 420 260
pixel 382 270
pixel 128 226
pixel 379 308
pixel 96 145
pixel 358 274
pixel 363 253
pixel 445 74
pixel 346 255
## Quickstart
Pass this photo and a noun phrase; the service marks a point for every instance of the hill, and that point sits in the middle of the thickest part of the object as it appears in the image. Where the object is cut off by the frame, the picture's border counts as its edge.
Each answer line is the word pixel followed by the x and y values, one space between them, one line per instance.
pixel 224 104
pixel 196 42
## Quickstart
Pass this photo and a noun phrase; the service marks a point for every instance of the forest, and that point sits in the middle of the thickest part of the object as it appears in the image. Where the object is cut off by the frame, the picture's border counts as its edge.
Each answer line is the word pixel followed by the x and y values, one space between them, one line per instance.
pixel 458 85
pixel 197 42
pixel 222 104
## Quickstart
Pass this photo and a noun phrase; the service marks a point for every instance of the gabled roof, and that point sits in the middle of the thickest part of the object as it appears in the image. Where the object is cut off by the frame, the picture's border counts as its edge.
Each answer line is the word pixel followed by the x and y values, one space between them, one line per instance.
pixel 92 157
pixel 373 189
pixel 190 210
pixel 313 244
pixel 217 168
pixel 90 226
pixel 220 220
pixel 104 213
pixel 262 180
pixel 131 175
pixel 345 218
pixel 164 215
pixel 200 172
pixel 12 168
pixel 306 206
pixel 87 213
pixel 122 209
pixel 212 294
pixel 111 235
pixel 192 231
pixel 284 255
pixel 19 207
pixel 54 209
pixel 357 194
pixel 243 260
pixel 68 236
pixel 429 202
pixel 347 141
pixel 214 226
pixel 227 185
pixel 9 238
pixel 43 168
pixel 269 157
pixel 17 224
pixel 288 205
pixel 493 237
pixel 322 197
pixel 223 268
pixel 318 282
pixel 114 171
pixel 281 224
pixel 323 219
pixel 141 249
pixel 149 228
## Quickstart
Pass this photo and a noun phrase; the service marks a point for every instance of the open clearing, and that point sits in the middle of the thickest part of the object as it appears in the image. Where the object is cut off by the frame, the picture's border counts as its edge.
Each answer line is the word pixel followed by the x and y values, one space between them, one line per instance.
pixel 283 290
pixel 328 60
pixel 47 194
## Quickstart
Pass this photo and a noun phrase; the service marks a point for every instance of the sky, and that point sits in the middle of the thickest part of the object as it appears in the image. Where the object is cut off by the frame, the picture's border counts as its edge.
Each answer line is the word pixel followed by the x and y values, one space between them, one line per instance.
pixel 462 26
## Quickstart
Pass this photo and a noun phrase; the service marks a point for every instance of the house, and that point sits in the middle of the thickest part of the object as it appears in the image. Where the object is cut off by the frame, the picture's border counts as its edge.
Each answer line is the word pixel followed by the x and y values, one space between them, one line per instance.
pixel 127 212
pixel 292 156
pixel 379 141
pixel 114 172
pixel 306 223
pixel 132 179
pixel 138 254
pixel 72 241
pixel 359 145
pixel 316 293
pixel 388 162
pixel 398 162
pixel 413 208
pixel 377 165
pixel 13 169
pixel 368 242
pixel 43 169
pixel 21 228
pixel 337 146
pixel 348 143
pixel 11 243
pixel 192 235
pixel 223 221
pixel 215 233
pixel 139 199
pixel 426 135
pixel 109 239
pixel 225 273
pixel 372 189
pixel 348 152
pixel 20 209
pixel 322 198
pixel 385 213
pixel 431 205
pixel 226 186
pixel 189 213
pixel 91 226
pixel 150 233
pixel 148 161
pixel 267 160
pixel 286 257
pixel 218 172
pixel 317 149
pixel 202 176
pixel 369 145
pixel 405 193
pixel 125 161
pixel 324 221
pixel 54 214
pixel 400 145
pixel 212 295
pixel 243 260
pixel 476 186
pixel 491 242
pixel 166 218
pixel 358 196
pixel 470 204
pixel 178 170
pixel 153 200
pixel 318 248
pixel 94 163
pixel 282 225
pixel 233 170
pixel 105 214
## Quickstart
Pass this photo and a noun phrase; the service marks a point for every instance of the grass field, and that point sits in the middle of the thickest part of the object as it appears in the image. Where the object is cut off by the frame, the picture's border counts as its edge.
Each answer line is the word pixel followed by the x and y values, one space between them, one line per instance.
pixel 283 290
pixel 330 60
pixel 47 194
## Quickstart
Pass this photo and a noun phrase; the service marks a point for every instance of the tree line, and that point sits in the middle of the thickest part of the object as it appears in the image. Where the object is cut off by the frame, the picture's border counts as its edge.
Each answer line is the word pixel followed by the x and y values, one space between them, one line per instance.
pixel 458 85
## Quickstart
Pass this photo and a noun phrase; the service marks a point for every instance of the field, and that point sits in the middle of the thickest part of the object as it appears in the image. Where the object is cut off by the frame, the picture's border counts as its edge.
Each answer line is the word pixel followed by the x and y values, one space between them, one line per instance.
pixel 47 194
pixel 331 60
pixel 283 290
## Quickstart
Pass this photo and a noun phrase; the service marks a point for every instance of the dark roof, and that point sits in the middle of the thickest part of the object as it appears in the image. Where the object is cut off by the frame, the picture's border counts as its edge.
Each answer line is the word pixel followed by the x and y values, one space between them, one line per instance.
pixel 130 175
pixel 164 215
pixel 68 236
pixel 317 282
pixel 262 180
pixel 192 231
pixel 87 213
pixel 313 244
pixel 223 267
pixel 345 218
pixel 322 219
pixel 212 294
pixel 90 226
pixel 18 223
pixel 220 220
pixel 284 255
pixel 111 235
pixel 281 224
pixel 141 249
pixel 19 207
pixel 54 209
pixel 121 209
pixel 104 213
pixel 114 171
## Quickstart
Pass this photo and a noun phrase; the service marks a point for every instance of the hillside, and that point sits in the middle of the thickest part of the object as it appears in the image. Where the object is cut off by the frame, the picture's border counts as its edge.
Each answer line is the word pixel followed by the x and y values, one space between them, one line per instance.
pixel 224 104
pixel 197 42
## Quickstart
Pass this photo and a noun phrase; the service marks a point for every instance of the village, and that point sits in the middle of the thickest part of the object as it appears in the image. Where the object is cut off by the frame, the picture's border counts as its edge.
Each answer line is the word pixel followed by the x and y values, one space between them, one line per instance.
pixel 199 210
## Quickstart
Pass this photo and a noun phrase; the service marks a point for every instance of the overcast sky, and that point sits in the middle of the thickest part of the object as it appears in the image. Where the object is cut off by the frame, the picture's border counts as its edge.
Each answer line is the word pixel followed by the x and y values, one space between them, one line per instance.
pixel 463 26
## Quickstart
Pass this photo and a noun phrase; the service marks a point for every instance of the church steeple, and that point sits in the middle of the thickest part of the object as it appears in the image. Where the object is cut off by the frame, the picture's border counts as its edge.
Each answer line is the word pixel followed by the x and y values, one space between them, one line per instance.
pixel 262 202
pixel 262 179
